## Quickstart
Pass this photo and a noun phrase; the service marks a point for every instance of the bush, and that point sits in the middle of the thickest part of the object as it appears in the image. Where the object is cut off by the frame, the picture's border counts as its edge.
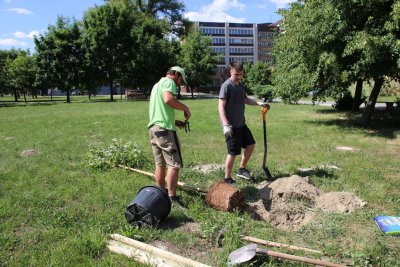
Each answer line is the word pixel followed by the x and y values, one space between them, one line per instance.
pixel 345 101
pixel 263 91
pixel 116 153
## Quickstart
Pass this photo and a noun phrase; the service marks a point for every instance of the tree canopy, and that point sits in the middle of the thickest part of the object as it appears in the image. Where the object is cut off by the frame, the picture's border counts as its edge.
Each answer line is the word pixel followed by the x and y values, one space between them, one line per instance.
pixel 327 45
pixel 60 54
pixel 198 59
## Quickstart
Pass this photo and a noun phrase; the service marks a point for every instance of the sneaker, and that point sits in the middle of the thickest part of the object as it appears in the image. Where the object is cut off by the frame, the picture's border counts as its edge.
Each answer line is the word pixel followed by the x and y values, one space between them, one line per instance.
pixel 176 202
pixel 229 180
pixel 244 173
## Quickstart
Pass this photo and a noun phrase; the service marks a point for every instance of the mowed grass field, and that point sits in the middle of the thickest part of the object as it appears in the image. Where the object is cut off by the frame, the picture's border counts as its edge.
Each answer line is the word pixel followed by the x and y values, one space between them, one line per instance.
pixel 56 211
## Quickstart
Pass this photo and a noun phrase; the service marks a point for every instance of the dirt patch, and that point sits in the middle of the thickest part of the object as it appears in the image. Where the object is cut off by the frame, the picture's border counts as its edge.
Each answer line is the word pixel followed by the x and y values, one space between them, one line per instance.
pixel 289 203
pixel 345 148
pixel 9 138
pixel 207 168
pixel 200 250
pixel 29 153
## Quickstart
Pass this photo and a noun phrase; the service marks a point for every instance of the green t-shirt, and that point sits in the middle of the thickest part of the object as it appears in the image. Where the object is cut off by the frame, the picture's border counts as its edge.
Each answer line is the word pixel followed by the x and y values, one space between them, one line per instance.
pixel 160 113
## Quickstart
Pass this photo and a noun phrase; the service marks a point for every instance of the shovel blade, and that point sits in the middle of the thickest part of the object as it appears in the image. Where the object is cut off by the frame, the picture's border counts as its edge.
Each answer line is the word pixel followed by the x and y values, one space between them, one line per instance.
pixel 242 254
pixel 267 173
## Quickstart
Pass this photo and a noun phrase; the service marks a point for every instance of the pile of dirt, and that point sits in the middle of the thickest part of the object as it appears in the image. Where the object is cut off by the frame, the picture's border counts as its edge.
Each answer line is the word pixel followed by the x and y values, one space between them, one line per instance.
pixel 289 203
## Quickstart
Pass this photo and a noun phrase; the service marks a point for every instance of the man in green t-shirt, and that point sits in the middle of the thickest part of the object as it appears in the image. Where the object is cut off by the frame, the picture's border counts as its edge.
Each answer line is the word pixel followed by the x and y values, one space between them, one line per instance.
pixel 162 129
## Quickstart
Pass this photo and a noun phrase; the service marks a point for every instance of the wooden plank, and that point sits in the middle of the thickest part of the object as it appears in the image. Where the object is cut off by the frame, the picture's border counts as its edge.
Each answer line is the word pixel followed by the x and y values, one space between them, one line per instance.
pixel 180 260
pixel 139 255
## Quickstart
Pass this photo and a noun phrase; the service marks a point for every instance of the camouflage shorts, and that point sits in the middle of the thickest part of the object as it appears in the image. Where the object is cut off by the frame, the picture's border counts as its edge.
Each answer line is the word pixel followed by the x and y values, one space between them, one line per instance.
pixel 166 147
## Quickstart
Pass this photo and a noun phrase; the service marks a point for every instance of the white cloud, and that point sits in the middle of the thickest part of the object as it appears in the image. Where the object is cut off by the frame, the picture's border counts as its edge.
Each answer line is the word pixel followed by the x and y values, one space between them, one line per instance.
pixel 216 11
pixel 22 11
pixel 23 35
pixel 12 42
pixel 281 3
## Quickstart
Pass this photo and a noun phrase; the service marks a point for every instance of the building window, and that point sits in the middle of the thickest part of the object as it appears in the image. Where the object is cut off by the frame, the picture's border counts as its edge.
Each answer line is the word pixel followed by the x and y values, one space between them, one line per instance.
pixel 219 50
pixel 241 41
pixel 212 31
pixel 234 50
pixel 241 31
pixel 218 40
pixel 241 59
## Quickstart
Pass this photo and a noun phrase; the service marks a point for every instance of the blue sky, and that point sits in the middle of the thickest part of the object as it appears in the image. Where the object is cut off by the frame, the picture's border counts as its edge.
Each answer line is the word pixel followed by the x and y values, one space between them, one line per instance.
pixel 20 20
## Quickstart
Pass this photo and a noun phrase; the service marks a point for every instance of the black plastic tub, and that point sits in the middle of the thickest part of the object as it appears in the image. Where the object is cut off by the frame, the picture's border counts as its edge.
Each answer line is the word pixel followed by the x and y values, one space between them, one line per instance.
pixel 150 206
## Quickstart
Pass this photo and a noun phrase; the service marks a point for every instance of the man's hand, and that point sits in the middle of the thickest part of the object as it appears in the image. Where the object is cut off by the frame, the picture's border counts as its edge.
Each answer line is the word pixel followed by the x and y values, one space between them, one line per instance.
pixel 228 130
pixel 179 124
pixel 263 104
pixel 187 114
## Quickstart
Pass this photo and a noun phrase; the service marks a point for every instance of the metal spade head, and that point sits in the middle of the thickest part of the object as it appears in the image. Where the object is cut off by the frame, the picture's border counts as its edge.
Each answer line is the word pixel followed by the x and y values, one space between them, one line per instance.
pixel 242 254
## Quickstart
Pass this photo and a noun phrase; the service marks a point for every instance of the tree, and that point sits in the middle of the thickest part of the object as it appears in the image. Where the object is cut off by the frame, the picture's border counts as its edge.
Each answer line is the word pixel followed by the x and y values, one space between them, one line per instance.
pixel 109 39
pixel 257 77
pixel 198 59
pixel 154 52
pixel 21 73
pixel 327 45
pixel 60 54
pixel 170 10
pixel 4 81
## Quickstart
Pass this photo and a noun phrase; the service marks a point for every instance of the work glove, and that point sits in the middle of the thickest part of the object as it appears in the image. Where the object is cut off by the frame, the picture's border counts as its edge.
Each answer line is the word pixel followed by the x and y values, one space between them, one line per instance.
pixel 263 104
pixel 179 124
pixel 228 130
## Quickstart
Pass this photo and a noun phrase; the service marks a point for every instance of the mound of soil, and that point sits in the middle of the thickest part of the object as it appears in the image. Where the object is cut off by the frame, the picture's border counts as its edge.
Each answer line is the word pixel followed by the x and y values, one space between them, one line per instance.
pixel 289 203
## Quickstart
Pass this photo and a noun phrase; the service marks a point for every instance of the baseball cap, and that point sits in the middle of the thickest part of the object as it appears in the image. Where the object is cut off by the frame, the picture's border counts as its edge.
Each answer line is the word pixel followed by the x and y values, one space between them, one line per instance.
pixel 181 71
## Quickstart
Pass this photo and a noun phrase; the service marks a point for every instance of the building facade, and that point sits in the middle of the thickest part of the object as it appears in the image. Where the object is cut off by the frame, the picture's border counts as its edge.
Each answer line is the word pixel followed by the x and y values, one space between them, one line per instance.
pixel 238 42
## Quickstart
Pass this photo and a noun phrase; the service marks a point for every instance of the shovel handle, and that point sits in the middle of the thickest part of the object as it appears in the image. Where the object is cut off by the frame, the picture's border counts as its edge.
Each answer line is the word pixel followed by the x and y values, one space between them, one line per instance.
pixel 297 258
pixel 276 244
pixel 264 111
pixel 184 185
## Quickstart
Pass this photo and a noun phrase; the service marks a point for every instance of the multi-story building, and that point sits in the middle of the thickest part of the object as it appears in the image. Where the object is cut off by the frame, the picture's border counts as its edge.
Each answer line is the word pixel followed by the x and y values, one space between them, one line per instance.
pixel 266 34
pixel 238 42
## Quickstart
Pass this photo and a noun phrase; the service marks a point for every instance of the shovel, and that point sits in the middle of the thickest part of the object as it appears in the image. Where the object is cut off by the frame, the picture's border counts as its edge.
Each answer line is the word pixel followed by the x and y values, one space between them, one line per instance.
pixel 247 252
pixel 264 111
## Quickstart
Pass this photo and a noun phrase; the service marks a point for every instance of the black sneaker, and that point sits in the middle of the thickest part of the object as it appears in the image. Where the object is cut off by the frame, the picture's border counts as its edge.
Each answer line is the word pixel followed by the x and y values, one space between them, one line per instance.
pixel 229 180
pixel 176 202
pixel 244 173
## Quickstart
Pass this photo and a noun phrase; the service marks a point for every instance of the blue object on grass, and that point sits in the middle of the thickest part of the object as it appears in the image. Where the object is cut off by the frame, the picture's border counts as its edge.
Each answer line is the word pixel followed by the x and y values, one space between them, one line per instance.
pixel 388 224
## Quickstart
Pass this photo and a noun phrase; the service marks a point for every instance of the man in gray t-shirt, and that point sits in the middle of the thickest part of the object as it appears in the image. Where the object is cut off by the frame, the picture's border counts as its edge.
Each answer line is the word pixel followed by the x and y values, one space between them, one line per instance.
pixel 231 106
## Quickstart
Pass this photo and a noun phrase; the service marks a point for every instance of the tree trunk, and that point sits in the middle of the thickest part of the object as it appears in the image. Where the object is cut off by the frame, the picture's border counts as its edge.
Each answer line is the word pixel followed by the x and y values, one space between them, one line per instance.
pixel 111 90
pixel 357 96
pixel 191 91
pixel 370 107
pixel 68 98
pixel 15 95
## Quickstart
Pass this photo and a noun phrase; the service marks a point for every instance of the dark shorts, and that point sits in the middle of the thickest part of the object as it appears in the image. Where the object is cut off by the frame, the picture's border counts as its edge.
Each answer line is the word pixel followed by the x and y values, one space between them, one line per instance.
pixel 241 138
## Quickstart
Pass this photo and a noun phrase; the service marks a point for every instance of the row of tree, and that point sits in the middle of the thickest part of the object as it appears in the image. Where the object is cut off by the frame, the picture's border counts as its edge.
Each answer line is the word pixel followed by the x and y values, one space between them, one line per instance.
pixel 128 43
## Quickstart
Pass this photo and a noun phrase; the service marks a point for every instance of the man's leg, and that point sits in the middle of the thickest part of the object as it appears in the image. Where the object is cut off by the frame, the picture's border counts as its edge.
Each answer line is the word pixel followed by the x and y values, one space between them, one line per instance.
pixel 172 180
pixel 230 160
pixel 160 176
pixel 248 151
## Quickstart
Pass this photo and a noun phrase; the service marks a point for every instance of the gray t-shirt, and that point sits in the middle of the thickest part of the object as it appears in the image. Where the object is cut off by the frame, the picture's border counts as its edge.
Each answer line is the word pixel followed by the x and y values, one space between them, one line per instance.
pixel 235 96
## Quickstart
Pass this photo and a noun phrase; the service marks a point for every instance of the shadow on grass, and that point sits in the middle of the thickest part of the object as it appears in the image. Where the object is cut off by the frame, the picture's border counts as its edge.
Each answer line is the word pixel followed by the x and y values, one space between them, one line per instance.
pixel 320 173
pixel 175 220
pixel 383 123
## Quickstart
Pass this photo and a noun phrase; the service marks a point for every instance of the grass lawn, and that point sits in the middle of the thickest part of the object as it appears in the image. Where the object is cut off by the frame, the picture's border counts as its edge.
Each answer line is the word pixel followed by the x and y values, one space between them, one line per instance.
pixel 56 211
